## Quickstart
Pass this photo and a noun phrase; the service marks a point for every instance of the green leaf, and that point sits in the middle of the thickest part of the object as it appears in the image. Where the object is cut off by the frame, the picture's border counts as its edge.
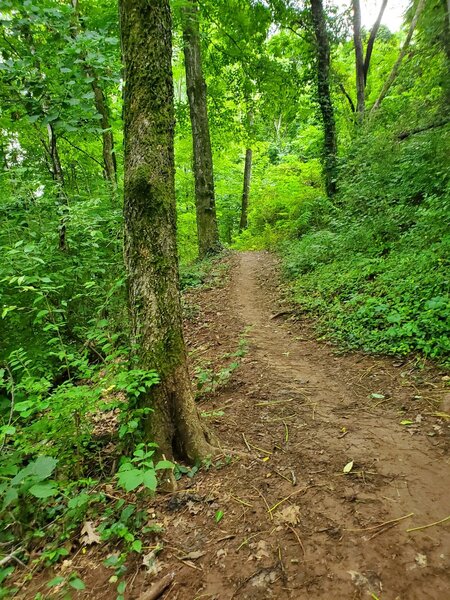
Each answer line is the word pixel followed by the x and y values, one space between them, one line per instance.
pixel 43 490
pixel 130 479
pixel 121 587
pixel 77 584
pixel 55 581
pixel 150 480
pixel 136 546
pixel 218 516
pixel 43 467
pixel 164 464
pixel 11 496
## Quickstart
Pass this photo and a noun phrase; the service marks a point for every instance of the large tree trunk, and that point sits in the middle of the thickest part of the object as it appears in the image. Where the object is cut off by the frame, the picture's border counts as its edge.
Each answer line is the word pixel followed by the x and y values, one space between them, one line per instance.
pixel 323 85
pixel 208 234
pixel 246 191
pixel 396 68
pixel 359 59
pixel 150 228
pixel 58 177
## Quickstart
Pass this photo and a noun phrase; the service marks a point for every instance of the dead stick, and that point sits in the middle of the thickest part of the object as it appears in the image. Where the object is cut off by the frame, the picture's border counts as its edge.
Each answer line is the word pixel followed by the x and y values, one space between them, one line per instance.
pixel 430 525
pixel 159 588
pixel 382 524
pixel 298 539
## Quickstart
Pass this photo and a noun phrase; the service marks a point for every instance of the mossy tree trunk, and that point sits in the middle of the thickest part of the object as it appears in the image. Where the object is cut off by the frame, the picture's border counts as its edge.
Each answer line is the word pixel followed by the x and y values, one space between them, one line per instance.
pixel 150 228
pixel 324 94
pixel 207 231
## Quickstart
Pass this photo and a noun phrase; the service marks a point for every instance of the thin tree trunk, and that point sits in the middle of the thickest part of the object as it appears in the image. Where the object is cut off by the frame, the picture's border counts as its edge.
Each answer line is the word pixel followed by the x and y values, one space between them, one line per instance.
pixel 58 177
pixel 207 231
pixel 109 157
pixel 372 38
pixel 323 86
pixel 150 229
pixel 359 59
pixel 395 69
pixel 246 191
pixel 101 105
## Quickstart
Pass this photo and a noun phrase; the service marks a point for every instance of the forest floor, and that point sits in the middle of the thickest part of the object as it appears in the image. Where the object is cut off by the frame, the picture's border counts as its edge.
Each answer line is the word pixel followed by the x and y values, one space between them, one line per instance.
pixel 297 411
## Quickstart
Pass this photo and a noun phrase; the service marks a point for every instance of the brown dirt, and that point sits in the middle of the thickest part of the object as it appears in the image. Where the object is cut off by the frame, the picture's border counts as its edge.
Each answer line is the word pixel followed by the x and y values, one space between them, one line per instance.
pixel 296 413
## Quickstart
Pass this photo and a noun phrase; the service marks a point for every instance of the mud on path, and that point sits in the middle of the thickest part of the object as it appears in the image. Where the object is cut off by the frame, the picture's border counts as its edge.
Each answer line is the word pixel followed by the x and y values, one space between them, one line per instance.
pixel 294 525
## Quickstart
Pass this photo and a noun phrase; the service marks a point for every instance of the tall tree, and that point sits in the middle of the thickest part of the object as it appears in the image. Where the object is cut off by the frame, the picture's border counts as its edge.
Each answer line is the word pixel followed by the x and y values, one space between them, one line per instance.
pixel 324 93
pixel 396 68
pixel 359 59
pixel 207 231
pixel 246 191
pixel 150 222
pixel 372 38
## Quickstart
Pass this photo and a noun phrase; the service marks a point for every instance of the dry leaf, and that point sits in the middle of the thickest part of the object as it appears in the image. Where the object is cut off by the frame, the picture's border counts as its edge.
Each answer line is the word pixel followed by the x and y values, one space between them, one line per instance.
pixel 194 555
pixel 289 515
pixel 348 467
pixel 152 565
pixel 89 535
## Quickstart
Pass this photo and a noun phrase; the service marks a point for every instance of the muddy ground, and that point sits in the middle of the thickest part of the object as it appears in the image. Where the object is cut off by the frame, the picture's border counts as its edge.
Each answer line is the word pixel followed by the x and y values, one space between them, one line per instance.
pixel 281 519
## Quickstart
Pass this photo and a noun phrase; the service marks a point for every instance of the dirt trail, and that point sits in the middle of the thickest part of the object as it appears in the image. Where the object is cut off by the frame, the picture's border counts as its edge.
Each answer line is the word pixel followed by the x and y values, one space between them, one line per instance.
pixel 295 399
pixel 297 413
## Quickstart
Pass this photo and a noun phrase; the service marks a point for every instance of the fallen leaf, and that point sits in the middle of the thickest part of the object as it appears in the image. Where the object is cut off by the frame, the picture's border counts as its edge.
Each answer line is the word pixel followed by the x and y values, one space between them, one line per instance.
pixel 348 467
pixel 289 515
pixel 378 396
pixel 151 563
pixel 89 535
pixel 194 555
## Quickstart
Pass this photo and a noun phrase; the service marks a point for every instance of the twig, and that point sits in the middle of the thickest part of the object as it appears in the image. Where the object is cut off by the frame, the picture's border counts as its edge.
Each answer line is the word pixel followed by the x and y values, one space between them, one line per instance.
pixel 236 499
pixel 271 402
pixel 265 502
pixel 246 443
pixel 286 432
pixel 241 585
pixel 383 524
pixel 298 539
pixel 287 498
pixel 12 556
pixel 430 525
pixel 158 588
pixel 188 563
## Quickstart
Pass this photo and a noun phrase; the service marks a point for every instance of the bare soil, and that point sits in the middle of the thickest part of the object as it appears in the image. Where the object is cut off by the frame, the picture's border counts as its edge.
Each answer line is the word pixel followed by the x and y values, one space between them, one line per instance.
pixel 295 413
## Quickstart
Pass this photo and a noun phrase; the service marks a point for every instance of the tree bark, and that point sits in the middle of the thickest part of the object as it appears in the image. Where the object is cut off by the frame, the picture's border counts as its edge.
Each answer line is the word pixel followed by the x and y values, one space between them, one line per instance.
pixel 150 229
pixel 372 38
pixel 323 87
pixel 207 231
pixel 395 69
pixel 359 59
pixel 246 191
pixel 58 177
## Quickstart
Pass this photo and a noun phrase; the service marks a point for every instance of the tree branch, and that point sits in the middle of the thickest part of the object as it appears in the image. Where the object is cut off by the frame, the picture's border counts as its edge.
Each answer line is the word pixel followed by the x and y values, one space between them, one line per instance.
pixel 395 69
pixel 372 38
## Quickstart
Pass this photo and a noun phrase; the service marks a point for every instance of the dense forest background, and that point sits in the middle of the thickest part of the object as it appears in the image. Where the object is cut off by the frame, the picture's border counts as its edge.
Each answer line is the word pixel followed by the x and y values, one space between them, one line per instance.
pixel 364 239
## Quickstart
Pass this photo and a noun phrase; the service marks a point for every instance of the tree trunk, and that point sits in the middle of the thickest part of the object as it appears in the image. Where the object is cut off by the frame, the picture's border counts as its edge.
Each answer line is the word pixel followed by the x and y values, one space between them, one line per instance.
pixel 246 191
pixel 359 59
pixel 208 234
pixel 101 105
pixel 58 177
pixel 372 38
pixel 323 86
pixel 395 69
pixel 150 229
pixel 109 157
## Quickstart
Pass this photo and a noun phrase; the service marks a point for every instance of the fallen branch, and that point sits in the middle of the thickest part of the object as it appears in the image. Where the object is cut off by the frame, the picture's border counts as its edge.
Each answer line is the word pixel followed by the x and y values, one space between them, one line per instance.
pixel 158 588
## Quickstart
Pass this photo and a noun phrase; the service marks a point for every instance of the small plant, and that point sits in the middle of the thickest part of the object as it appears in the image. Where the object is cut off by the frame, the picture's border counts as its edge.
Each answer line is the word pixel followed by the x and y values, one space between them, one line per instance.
pixel 141 470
